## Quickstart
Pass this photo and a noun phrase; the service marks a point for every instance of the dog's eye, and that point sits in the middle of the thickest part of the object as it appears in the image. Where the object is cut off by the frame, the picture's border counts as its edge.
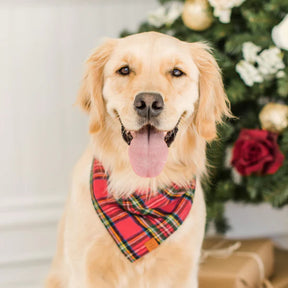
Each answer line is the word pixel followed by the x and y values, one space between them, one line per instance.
pixel 176 72
pixel 124 71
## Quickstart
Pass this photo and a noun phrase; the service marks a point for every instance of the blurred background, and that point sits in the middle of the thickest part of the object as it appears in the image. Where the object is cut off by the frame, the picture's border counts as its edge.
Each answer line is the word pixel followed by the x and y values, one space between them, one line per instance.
pixel 43 45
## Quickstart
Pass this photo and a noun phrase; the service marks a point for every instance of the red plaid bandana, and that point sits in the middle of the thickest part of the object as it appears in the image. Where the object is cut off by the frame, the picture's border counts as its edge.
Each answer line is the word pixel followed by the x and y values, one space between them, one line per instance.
pixel 138 224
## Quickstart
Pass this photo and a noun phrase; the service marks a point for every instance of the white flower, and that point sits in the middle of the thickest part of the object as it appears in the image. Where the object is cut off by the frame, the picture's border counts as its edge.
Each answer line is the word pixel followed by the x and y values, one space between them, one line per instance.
pixel 224 15
pixel 157 18
pixel 228 157
pixel 222 8
pixel 270 61
pixel 248 73
pixel 236 177
pixel 170 32
pixel 280 74
pixel 280 34
pixel 174 11
pixel 250 51
pixel 166 15
pixel 255 68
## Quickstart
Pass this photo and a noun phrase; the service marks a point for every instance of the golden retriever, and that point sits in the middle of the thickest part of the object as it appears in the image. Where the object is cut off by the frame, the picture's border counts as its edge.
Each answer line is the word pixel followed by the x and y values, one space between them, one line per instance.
pixel 180 86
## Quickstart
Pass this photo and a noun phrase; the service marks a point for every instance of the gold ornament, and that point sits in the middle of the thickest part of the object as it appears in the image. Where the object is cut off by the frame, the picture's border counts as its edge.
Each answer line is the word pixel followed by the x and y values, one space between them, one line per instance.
pixel 274 117
pixel 196 15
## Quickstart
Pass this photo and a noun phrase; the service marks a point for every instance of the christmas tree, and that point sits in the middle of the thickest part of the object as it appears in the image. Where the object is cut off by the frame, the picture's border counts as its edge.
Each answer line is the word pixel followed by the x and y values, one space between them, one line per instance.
pixel 250 40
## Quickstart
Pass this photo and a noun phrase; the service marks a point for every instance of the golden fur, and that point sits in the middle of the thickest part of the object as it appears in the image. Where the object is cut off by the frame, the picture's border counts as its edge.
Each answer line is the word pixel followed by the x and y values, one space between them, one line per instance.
pixel 86 254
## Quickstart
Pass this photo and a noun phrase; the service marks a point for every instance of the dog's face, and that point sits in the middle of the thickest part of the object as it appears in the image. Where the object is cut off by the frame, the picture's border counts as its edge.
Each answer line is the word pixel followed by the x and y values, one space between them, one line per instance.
pixel 150 80
pixel 148 85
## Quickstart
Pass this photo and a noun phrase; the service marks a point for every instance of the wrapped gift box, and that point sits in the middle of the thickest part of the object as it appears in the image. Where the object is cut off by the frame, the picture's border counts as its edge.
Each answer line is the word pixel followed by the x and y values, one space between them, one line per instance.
pixel 235 263
pixel 280 277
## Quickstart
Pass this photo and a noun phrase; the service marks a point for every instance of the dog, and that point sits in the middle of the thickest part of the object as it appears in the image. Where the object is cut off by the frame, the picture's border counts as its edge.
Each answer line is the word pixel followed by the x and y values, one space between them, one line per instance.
pixel 153 103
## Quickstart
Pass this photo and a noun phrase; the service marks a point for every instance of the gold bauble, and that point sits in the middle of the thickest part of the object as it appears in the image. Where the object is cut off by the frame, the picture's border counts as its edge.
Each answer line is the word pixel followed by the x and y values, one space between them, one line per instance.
pixel 197 15
pixel 274 117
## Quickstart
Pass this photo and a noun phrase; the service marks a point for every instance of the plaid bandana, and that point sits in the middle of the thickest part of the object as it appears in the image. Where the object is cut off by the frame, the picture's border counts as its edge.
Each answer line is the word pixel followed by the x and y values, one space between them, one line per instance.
pixel 138 224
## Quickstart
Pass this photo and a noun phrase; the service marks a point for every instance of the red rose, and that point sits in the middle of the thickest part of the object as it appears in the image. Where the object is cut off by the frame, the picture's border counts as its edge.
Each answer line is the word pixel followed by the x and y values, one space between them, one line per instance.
pixel 257 151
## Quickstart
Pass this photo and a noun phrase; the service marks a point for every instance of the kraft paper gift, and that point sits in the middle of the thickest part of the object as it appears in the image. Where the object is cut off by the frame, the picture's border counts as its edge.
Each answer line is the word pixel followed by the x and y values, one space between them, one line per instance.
pixel 280 277
pixel 236 263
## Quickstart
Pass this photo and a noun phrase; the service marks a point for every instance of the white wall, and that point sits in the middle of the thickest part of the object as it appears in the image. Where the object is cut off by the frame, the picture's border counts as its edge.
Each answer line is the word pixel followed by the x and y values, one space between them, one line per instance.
pixel 262 220
pixel 43 45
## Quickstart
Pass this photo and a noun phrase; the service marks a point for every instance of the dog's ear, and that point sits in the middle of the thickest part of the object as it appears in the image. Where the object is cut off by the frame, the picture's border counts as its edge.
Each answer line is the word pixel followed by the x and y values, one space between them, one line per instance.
pixel 90 97
pixel 213 103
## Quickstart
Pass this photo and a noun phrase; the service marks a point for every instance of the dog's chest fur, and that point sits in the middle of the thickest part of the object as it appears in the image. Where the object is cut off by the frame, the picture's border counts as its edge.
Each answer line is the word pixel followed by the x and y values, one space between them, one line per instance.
pixel 100 263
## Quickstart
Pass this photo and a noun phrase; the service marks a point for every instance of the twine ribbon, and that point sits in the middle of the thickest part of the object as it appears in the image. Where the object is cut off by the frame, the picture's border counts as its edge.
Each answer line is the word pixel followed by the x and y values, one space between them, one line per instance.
pixel 232 249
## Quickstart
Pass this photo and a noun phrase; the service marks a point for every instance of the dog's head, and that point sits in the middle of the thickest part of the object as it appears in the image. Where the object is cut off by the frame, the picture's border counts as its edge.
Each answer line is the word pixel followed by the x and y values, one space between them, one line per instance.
pixel 148 86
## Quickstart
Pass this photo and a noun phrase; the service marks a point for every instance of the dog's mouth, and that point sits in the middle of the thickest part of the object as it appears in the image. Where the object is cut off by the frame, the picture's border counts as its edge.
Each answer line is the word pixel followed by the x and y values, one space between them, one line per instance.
pixel 169 136
pixel 148 148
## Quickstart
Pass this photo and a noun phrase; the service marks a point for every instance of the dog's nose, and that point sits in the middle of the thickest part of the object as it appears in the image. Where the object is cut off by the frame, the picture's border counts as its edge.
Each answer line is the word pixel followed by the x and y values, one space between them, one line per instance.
pixel 148 104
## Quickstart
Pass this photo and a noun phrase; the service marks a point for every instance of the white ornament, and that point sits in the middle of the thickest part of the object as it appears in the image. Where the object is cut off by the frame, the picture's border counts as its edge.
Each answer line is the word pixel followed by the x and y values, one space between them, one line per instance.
pixel 248 73
pixel 222 8
pixel 250 51
pixel 165 15
pixel 280 34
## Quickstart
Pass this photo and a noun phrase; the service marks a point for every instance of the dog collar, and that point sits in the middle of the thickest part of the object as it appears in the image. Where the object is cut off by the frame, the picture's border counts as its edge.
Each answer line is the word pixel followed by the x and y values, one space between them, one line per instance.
pixel 138 224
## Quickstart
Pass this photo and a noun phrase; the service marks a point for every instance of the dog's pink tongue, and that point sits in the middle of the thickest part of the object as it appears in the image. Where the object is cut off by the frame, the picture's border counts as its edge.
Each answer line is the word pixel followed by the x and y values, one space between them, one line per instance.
pixel 148 152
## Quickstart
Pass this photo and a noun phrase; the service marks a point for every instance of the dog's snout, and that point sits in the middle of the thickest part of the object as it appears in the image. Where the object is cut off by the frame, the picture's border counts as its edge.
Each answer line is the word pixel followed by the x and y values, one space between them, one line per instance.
pixel 148 104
